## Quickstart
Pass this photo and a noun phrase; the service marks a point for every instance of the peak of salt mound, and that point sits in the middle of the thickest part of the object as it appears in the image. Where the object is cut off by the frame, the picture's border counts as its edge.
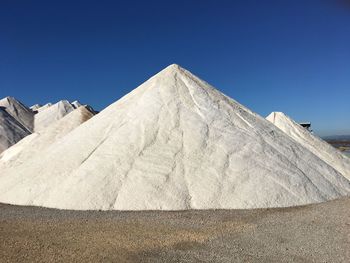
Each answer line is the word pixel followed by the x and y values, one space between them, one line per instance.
pixel 18 111
pixel 313 143
pixel 76 104
pixel 172 71
pixel 35 143
pixel 173 143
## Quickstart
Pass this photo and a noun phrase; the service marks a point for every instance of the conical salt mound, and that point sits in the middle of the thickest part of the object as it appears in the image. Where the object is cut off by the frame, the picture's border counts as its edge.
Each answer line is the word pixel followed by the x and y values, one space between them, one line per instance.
pixel 51 114
pixel 19 112
pixel 11 131
pixel 37 142
pixel 313 143
pixel 173 143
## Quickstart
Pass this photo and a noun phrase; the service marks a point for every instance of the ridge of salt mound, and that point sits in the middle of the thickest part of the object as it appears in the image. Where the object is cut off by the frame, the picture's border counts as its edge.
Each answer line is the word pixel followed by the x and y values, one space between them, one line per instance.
pixel 11 131
pixel 173 143
pixel 316 145
pixel 19 112
pixel 51 114
pixel 37 142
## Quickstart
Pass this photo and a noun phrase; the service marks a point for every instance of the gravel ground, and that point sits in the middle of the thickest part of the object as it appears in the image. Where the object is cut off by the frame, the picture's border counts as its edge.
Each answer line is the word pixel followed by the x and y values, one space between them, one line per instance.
pixel 314 233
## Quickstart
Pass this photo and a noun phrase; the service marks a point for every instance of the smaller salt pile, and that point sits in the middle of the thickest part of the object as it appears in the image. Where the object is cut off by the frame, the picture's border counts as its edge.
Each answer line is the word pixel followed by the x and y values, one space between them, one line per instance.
pixel 49 115
pixel 16 122
pixel 316 145
pixel 18 111
pixel 11 131
pixel 38 141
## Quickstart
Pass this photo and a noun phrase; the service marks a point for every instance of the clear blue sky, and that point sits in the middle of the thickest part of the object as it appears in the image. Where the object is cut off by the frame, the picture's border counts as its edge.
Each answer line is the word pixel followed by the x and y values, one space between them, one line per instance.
pixel 291 56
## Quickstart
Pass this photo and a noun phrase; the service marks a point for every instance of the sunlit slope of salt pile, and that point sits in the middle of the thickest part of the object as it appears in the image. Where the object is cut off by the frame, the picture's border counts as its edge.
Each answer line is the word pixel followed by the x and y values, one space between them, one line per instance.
pixel 11 131
pixel 313 143
pixel 173 143
pixel 51 114
pixel 35 143
pixel 18 111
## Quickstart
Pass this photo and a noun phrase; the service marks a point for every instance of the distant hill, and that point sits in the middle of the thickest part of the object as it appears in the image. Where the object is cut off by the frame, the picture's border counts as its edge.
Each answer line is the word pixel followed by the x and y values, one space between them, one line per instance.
pixel 337 138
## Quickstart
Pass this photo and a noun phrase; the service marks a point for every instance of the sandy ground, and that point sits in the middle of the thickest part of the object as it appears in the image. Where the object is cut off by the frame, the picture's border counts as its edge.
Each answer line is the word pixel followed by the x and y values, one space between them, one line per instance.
pixel 316 233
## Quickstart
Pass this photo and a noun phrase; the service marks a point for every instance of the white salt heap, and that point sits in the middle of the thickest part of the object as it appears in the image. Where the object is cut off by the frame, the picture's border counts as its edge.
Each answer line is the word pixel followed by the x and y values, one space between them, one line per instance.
pixel 18 111
pixel 35 143
pixel 17 121
pixel 173 143
pixel 11 131
pixel 316 145
pixel 51 113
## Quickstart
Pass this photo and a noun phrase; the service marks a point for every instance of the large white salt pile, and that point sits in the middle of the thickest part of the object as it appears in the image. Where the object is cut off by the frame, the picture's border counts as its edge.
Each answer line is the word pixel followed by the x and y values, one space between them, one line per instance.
pixel 35 143
pixel 18 111
pixel 173 143
pixel 319 147
pixel 11 131
pixel 51 114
